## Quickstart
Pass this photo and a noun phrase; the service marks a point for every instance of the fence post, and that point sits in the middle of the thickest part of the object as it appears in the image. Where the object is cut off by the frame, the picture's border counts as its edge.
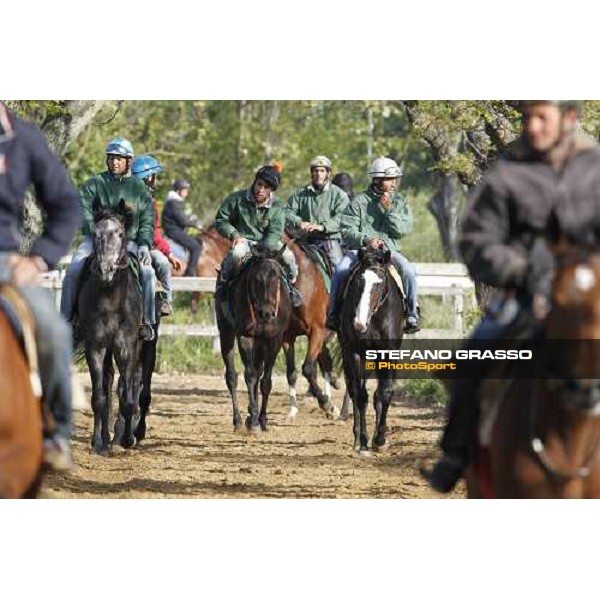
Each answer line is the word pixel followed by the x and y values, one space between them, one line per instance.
pixel 216 342
pixel 458 311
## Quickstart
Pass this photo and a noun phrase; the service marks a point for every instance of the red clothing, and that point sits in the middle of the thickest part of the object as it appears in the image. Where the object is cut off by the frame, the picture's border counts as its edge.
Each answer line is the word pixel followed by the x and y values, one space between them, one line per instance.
pixel 159 241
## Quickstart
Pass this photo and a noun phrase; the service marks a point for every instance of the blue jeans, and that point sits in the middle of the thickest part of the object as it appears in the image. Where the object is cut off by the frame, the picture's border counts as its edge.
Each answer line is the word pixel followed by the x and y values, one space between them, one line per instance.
pixel 73 276
pixel 162 268
pixel 406 269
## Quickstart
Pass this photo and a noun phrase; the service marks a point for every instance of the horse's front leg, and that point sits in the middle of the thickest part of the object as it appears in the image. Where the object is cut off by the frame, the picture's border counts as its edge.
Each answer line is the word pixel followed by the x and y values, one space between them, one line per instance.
pixel 381 400
pixel 128 363
pixel 100 436
pixel 309 370
pixel 227 338
pixel 292 375
pixel 266 383
pixel 247 348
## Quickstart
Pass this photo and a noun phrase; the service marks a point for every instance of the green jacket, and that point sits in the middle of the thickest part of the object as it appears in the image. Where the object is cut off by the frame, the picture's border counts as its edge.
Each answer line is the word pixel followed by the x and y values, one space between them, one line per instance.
pixel 365 219
pixel 239 216
pixel 109 190
pixel 323 208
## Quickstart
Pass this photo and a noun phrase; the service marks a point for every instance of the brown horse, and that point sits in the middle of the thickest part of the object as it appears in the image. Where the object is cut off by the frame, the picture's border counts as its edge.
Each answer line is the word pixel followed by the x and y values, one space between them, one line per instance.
pixel 20 421
pixel 545 441
pixel 214 249
pixel 308 320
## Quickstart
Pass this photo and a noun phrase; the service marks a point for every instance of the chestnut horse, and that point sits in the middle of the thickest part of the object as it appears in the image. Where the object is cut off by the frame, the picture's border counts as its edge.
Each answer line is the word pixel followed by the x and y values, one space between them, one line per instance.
pixel 308 320
pixel 545 440
pixel 20 421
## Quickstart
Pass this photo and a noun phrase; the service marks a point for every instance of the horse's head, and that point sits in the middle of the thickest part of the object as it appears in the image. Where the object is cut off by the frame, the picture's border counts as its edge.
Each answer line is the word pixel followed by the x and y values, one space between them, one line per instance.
pixel 371 278
pixel 110 239
pixel 574 319
pixel 265 282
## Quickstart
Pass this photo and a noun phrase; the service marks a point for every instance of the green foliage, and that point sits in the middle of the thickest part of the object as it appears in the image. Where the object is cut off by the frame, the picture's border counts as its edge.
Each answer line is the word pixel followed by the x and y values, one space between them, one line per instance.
pixel 425 390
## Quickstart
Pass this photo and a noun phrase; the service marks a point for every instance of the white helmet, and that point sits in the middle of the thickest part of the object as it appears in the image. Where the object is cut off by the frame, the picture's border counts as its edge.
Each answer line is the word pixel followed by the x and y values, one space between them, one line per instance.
pixel 384 167
pixel 320 161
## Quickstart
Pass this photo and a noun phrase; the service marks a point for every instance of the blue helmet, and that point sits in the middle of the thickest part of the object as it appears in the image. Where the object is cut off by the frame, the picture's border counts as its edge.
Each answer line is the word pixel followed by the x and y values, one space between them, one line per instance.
pixel 120 147
pixel 144 166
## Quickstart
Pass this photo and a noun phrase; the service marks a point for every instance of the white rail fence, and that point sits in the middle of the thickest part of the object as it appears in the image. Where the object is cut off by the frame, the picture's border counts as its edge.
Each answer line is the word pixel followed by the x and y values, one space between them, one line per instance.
pixel 447 280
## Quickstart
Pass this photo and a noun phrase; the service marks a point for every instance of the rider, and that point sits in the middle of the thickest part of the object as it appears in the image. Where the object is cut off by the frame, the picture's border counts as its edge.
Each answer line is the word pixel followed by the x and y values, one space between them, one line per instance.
pixel 250 216
pixel 345 182
pixel 377 218
pixel 175 220
pixel 542 180
pixel 147 168
pixel 315 210
pixel 25 159
pixel 107 189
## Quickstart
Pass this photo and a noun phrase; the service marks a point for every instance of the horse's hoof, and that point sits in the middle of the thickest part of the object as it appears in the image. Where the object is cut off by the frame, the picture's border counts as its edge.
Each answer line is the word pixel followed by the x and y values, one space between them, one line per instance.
pixel 264 427
pixel 365 453
pixel 253 430
pixel 130 443
pixel 332 412
pixel 379 447
pixel 292 412
pixel 239 427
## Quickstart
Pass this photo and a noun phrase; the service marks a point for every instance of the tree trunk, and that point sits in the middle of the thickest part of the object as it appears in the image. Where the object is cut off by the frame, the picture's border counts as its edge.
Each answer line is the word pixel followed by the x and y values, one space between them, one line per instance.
pixel 443 205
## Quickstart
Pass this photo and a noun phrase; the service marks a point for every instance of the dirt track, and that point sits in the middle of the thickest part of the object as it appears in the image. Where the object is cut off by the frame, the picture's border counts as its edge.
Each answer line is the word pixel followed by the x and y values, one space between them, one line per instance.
pixel 191 451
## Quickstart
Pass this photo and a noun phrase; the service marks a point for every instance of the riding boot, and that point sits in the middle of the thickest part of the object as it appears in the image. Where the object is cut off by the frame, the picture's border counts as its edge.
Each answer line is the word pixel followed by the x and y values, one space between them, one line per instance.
pixel 458 436
pixel 294 294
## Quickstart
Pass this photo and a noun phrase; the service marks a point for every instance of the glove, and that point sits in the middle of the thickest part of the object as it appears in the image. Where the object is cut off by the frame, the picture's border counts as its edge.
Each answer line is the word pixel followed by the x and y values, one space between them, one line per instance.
pixel 144 256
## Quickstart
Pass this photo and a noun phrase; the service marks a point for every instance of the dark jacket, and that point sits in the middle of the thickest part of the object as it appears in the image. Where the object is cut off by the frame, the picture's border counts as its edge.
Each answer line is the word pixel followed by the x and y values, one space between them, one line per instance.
pixel 239 216
pixel 25 159
pixel 174 217
pixel 521 199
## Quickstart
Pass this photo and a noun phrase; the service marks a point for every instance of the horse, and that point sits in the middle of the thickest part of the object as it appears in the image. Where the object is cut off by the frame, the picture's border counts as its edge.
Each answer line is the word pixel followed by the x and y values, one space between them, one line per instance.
pixel 372 314
pixel 258 315
pixel 20 421
pixel 545 439
pixel 110 315
pixel 309 320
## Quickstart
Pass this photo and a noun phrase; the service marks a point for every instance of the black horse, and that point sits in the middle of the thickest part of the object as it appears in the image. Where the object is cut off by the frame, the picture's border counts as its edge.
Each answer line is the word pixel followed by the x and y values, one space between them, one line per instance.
pixel 110 315
pixel 258 314
pixel 372 315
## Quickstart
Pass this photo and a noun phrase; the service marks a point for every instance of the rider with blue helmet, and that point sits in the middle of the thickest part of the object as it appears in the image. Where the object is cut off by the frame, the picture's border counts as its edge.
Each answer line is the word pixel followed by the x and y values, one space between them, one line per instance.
pixel 147 168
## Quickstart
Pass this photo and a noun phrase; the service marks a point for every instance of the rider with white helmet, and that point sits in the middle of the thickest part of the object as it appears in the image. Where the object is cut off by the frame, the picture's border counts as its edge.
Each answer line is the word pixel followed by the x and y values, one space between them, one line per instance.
pixel 106 190
pixel 377 218
pixel 315 210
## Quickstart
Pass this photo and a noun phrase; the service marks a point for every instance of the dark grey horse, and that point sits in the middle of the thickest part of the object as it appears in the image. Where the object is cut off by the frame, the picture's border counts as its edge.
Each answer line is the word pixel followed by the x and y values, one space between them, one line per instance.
pixel 372 315
pixel 110 314
pixel 258 315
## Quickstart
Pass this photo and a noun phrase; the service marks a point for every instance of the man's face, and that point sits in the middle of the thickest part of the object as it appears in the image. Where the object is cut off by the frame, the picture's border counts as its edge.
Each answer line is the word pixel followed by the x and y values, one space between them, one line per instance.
pixel 319 176
pixel 184 192
pixel 545 125
pixel 117 165
pixel 261 191
pixel 387 184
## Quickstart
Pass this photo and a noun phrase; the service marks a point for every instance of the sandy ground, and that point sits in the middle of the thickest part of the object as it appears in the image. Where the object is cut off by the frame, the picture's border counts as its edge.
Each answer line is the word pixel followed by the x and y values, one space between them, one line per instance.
pixel 191 451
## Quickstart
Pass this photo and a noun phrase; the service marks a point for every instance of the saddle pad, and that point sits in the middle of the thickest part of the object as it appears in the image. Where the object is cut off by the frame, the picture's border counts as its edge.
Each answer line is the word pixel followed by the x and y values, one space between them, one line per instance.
pixel 396 277
pixel 320 259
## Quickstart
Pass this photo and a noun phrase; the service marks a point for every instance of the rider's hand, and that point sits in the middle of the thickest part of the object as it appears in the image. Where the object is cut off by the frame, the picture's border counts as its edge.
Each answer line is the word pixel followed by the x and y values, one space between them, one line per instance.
pixel 376 244
pixel 175 262
pixel 386 200
pixel 26 269
pixel 144 256
pixel 239 240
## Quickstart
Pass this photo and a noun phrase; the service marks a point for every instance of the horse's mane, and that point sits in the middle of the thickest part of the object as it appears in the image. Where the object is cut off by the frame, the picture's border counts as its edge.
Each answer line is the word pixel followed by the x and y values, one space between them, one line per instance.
pixel 123 212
